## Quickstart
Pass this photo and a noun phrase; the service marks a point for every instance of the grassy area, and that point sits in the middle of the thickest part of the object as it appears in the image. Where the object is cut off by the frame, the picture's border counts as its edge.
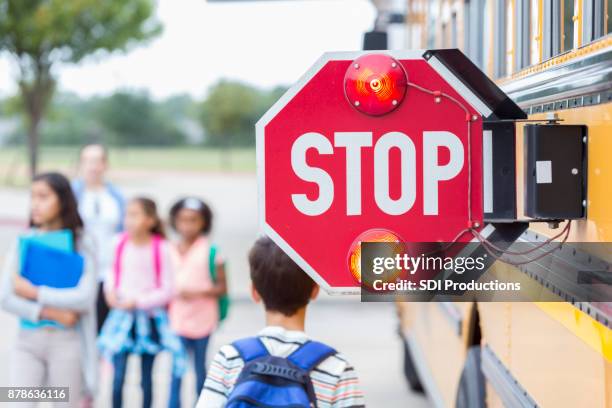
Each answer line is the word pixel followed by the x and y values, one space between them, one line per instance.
pixel 13 160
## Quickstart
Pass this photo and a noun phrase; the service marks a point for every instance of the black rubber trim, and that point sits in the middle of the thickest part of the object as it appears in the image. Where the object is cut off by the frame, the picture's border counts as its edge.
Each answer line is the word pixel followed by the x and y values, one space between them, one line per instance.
pixel 479 83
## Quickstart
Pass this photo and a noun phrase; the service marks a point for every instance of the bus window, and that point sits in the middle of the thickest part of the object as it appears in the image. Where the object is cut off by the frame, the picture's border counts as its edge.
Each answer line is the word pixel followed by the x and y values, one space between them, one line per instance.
pixel 467 25
pixel 598 19
pixel 608 15
pixel 534 31
pixel 487 37
pixel 477 28
pixel 523 34
pixel 551 28
pixel 415 21
pixel 431 24
pixel 453 30
pixel 567 23
pixel 577 22
pixel 444 35
pixel 499 48
pixel 593 20
pixel 509 36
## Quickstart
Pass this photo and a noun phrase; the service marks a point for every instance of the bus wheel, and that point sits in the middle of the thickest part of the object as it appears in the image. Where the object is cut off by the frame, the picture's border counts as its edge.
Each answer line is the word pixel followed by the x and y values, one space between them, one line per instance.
pixel 471 390
pixel 410 370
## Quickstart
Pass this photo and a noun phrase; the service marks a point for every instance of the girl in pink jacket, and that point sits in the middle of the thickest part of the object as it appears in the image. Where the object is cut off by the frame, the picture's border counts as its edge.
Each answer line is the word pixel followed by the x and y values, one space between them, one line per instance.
pixel 194 312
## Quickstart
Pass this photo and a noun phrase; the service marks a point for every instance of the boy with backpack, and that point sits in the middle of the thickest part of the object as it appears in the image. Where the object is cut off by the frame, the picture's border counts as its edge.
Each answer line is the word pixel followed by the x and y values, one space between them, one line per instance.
pixel 280 366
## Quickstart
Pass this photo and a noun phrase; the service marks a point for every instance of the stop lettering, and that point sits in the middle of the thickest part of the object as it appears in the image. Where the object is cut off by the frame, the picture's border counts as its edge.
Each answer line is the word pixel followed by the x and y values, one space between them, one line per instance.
pixel 354 143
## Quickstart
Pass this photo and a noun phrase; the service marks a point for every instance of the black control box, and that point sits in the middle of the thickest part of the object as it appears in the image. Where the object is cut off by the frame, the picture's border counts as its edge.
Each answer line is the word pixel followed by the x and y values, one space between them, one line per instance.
pixel 555 171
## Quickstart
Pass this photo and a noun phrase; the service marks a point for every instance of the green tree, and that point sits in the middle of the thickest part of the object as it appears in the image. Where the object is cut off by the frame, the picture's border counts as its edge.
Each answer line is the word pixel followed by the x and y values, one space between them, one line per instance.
pixel 231 110
pixel 229 113
pixel 132 118
pixel 70 120
pixel 179 106
pixel 39 34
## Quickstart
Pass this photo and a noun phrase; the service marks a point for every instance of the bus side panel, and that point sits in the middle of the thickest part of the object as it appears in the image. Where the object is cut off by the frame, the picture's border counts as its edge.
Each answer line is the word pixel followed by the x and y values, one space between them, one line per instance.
pixel 495 328
pixel 553 362
pixel 440 346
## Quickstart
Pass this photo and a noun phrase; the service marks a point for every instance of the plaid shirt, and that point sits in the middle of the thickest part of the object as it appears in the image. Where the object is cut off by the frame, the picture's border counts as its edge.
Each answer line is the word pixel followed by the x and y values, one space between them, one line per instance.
pixel 115 336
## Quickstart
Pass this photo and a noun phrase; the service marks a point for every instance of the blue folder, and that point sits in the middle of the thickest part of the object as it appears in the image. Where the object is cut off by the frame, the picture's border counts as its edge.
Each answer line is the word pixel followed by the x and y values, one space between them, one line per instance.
pixel 61 239
pixel 48 266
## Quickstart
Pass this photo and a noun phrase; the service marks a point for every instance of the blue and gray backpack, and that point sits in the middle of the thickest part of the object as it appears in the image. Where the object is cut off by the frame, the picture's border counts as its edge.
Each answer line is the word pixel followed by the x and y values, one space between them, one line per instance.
pixel 268 381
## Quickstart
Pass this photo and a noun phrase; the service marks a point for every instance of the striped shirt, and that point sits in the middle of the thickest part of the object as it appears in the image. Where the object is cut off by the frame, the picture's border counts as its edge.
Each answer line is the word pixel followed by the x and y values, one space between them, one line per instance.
pixel 334 379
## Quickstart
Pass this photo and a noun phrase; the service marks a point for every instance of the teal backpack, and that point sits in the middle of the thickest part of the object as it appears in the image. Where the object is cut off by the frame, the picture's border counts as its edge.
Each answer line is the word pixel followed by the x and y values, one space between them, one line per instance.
pixel 224 301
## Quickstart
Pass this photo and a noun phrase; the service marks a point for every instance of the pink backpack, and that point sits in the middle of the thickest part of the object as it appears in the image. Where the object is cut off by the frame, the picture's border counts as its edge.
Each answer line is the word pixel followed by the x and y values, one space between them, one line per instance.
pixel 155 242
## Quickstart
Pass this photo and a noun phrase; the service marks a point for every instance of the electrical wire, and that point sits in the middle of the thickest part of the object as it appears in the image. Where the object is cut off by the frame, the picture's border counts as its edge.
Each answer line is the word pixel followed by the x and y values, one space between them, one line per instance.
pixel 480 237
pixel 486 246
pixel 472 225
pixel 469 118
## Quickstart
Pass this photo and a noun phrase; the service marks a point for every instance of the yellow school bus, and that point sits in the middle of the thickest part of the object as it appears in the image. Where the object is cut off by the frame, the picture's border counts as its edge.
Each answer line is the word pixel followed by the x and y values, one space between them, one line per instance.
pixel 552 57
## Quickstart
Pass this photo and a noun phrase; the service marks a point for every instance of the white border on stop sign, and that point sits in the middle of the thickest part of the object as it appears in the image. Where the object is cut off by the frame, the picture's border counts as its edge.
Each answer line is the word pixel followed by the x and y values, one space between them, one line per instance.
pixel 435 64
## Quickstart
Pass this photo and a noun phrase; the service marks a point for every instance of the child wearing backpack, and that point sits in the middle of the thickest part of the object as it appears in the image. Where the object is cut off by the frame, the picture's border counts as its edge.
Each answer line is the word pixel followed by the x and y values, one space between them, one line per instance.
pixel 138 289
pixel 281 366
pixel 200 285
pixel 55 344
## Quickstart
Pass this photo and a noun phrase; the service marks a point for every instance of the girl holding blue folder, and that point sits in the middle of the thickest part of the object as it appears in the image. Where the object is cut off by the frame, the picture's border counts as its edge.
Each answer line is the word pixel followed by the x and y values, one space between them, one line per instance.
pixel 55 344
pixel 56 341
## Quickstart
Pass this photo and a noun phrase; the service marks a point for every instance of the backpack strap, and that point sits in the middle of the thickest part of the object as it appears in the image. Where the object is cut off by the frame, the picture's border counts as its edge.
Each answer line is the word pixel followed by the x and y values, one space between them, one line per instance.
pixel 310 354
pixel 78 188
pixel 250 348
pixel 211 263
pixel 118 257
pixel 116 194
pixel 156 242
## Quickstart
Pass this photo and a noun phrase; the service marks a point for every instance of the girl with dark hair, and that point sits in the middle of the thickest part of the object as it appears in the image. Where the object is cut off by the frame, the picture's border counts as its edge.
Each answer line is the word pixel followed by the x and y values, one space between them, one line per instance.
pixel 200 286
pixel 68 212
pixel 56 340
pixel 138 289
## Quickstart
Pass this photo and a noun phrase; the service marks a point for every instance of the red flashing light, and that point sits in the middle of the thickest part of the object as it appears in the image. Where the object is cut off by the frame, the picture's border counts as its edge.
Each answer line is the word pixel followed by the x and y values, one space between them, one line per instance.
pixel 373 235
pixel 375 84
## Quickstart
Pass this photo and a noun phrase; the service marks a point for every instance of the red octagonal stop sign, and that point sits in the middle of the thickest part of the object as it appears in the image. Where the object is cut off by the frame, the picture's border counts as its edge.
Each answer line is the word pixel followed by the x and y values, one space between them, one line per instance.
pixel 329 172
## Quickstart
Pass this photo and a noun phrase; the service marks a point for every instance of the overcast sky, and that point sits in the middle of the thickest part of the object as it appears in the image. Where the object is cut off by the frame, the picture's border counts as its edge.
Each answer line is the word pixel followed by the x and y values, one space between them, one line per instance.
pixel 265 43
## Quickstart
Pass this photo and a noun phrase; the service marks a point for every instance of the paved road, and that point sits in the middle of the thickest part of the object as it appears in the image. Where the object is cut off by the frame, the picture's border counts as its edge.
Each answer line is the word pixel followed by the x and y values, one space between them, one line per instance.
pixel 365 333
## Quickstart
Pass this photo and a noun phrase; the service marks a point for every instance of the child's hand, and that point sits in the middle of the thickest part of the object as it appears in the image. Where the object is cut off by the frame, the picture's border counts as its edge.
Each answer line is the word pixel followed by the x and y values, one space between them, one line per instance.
pixel 64 317
pixel 184 294
pixel 111 299
pixel 67 318
pixel 126 304
pixel 187 294
pixel 24 288
pixel 115 302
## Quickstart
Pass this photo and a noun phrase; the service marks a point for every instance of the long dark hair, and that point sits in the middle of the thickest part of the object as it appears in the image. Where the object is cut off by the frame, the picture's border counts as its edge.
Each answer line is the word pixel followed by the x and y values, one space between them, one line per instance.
pixel 150 208
pixel 69 212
